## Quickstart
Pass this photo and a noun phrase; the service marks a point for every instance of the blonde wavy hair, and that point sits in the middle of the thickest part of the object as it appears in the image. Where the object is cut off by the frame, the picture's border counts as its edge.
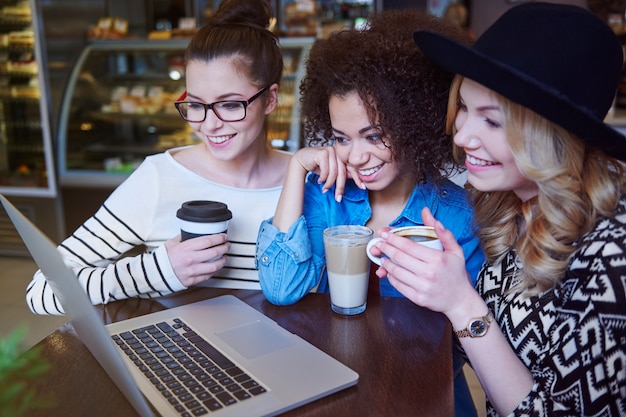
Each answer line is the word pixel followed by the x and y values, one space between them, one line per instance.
pixel 577 184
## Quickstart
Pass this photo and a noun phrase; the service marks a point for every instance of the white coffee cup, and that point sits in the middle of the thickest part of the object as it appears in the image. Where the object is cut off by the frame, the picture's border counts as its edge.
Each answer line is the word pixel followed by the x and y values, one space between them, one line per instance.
pixel 424 235
pixel 202 217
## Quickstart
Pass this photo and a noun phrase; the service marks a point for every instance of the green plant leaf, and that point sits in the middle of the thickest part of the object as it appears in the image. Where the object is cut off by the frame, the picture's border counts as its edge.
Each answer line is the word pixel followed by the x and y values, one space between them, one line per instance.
pixel 17 368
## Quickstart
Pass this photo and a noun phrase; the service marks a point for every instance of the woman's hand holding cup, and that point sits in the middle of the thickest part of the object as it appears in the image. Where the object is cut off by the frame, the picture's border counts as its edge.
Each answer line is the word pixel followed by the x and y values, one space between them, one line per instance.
pixel 435 279
pixel 199 251
pixel 424 235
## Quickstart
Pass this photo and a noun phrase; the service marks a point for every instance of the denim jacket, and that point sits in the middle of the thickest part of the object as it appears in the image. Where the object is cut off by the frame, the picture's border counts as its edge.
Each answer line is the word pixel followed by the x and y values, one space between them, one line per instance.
pixel 291 264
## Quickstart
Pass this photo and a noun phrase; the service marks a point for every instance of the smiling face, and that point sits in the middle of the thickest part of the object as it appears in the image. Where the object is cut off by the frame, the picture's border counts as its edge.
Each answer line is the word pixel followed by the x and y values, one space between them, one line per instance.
pixel 218 80
pixel 480 131
pixel 359 142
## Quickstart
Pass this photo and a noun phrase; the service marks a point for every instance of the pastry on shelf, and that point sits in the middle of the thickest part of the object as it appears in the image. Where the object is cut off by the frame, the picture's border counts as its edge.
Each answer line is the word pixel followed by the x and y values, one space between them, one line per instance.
pixel 16 14
pixel 21 38
pixel 25 91
pixel 22 67
pixel 16 11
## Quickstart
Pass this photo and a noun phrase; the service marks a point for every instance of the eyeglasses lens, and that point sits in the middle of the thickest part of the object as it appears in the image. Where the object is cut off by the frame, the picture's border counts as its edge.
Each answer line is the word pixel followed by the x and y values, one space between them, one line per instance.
pixel 227 111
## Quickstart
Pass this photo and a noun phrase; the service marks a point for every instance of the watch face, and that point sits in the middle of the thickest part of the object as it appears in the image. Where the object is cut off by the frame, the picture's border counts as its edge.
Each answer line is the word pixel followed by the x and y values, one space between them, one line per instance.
pixel 478 328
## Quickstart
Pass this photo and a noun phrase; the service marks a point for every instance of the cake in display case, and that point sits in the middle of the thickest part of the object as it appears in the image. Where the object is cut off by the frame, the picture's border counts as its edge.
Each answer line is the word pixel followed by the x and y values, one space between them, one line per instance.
pixel 118 107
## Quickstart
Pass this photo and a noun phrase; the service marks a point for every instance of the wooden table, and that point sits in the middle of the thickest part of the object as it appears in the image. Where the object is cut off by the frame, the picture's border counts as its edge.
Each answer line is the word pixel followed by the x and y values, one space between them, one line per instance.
pixel 402 353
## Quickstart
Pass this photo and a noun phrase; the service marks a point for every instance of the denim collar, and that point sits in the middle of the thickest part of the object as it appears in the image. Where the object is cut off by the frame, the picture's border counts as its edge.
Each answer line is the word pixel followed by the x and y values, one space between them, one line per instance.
pixel 423 195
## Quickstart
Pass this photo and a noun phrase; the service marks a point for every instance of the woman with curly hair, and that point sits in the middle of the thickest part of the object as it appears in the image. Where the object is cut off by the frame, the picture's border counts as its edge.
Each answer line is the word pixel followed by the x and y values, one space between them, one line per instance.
pixel 545 333
pixel 374 109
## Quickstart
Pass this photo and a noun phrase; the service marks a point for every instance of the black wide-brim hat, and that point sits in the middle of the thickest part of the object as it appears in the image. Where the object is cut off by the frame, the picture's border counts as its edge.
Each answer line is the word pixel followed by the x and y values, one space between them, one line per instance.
pixel 560 61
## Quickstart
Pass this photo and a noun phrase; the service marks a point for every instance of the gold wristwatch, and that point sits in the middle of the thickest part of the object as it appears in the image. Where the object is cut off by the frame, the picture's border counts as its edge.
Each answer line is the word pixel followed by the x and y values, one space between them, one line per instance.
pixel 476 327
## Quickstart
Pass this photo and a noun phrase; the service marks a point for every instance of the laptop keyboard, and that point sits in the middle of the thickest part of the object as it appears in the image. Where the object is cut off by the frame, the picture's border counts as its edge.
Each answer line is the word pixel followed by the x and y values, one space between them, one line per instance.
pixel 188 371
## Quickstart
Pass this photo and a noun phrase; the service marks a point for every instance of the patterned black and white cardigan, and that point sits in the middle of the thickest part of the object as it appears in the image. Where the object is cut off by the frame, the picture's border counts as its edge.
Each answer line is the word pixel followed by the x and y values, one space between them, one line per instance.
pixel 572 338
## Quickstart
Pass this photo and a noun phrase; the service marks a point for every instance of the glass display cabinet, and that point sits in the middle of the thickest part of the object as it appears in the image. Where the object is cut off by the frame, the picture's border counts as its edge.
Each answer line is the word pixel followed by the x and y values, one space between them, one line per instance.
pixel 118 108
pixel 26 163
pixel 27 172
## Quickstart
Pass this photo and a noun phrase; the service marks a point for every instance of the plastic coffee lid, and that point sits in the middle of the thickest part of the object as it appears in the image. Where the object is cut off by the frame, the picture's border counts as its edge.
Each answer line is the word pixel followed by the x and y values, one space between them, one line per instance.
pixel 204 211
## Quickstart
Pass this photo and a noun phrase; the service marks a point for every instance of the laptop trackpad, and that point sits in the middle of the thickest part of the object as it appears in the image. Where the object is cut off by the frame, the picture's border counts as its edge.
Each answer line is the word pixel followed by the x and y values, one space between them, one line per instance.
pixel 254 339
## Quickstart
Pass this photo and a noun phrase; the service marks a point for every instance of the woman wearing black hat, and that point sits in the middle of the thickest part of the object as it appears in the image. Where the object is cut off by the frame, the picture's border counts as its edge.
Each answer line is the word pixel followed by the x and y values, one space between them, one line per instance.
pixel 546 332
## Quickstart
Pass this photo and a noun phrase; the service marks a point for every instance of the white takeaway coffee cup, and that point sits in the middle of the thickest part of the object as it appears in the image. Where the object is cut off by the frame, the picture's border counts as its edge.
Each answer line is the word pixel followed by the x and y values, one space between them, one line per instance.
pixel 202 217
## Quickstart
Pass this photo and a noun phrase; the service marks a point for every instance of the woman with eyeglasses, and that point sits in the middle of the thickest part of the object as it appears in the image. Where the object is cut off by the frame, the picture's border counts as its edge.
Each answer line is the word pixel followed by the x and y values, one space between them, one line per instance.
pixel 374 110
pixel 233 68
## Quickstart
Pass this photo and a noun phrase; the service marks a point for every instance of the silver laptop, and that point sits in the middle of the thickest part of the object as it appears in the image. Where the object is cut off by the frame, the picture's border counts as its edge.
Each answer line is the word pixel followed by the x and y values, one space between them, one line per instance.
pixel 218 357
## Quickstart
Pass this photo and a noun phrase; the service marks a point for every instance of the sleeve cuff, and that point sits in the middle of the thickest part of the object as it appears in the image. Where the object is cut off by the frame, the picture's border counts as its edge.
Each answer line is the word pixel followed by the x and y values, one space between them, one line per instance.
pixel 294 243
pixel 168 273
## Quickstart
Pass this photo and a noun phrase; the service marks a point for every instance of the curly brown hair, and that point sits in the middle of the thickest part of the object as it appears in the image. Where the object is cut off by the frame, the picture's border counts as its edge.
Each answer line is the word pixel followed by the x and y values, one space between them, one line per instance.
pixel 400 88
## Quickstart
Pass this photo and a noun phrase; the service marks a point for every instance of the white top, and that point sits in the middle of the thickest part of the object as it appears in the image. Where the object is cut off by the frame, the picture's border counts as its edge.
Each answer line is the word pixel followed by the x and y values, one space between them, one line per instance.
pixel 142 211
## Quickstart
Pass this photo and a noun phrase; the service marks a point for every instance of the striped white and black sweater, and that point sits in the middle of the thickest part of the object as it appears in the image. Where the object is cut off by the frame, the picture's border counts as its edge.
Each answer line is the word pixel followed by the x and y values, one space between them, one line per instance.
pixel 142 211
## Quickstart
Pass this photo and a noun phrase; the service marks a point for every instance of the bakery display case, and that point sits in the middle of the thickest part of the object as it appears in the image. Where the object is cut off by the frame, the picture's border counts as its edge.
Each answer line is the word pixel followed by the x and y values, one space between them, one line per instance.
pixel 117 107
pixel 26 163
pixel 27 172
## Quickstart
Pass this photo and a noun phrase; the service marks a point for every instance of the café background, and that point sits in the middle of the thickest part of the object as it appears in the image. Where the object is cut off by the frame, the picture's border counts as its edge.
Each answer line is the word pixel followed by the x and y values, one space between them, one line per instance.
pixel 64 27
